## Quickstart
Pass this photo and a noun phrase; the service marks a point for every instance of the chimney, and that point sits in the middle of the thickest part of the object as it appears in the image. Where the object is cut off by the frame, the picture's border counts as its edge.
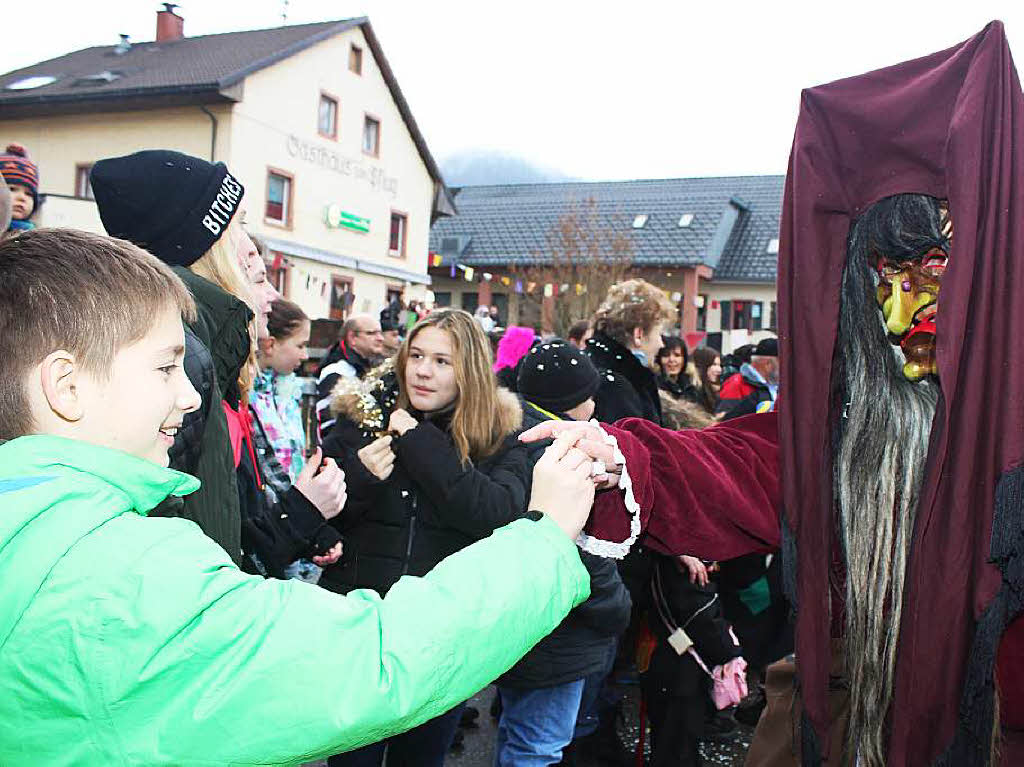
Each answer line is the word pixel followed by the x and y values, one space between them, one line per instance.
pixel 169 25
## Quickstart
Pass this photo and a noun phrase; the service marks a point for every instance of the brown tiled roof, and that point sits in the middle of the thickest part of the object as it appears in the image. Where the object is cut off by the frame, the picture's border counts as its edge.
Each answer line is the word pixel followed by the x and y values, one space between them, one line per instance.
pixel 192 70
pixel 209 63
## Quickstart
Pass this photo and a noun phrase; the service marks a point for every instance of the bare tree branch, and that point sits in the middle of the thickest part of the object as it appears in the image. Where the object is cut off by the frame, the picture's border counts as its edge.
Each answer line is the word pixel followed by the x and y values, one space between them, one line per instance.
pixel 581 251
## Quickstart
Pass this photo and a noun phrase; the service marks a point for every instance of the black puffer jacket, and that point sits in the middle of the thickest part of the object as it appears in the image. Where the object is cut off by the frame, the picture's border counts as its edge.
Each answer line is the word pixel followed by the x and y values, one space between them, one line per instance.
pixel 430 507
pixel 184 453
pixel 203 447
pixel 580 644
pixel 628 389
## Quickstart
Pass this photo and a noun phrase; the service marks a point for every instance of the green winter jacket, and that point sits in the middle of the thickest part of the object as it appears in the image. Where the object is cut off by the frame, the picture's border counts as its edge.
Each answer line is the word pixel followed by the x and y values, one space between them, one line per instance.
pixel 134 640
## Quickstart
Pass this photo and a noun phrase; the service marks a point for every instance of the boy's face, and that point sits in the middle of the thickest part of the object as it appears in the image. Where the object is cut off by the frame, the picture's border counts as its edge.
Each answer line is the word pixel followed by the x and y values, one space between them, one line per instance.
pixel 140 407
pixel 21 202
pixel 583 411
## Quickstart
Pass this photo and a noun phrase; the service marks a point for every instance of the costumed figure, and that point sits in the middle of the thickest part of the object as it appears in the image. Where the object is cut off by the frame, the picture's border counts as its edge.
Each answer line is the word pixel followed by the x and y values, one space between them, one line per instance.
pixel 900 430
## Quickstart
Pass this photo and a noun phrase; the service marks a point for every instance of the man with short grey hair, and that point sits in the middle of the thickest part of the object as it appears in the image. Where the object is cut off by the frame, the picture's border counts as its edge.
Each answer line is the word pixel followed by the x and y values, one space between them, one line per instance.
pixel 359 348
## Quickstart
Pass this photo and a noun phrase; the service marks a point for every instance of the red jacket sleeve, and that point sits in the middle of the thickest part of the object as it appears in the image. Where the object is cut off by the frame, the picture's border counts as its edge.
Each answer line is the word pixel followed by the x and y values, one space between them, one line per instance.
pixel 711 493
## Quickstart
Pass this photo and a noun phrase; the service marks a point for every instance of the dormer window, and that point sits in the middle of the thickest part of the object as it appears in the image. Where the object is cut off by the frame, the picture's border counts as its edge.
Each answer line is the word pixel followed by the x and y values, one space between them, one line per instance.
pixel 640 221
pixel 685 220
pixel 100 78
pixel 28 83
pixel 773 245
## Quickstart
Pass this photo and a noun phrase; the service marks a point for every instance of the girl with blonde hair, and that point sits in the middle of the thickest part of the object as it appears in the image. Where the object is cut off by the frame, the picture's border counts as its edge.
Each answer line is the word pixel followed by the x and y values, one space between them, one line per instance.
pixel 445 471
pixel 188 213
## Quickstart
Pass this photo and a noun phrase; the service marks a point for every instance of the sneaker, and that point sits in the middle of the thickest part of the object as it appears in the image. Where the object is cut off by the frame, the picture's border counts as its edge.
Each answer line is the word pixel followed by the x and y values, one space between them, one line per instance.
pixel 458 741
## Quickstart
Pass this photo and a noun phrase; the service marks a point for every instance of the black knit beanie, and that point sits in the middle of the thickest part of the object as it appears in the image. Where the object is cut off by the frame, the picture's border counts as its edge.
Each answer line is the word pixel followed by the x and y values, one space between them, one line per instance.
pixel 173 205
pixel 557 376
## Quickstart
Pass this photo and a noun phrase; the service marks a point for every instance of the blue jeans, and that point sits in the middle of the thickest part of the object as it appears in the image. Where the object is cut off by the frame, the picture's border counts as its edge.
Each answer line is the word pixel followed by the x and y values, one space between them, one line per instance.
pixel 598 698
pixel 536 725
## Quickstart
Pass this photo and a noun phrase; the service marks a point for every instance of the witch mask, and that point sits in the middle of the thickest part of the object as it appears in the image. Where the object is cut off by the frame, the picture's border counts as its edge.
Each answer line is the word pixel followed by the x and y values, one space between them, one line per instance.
pixel 908 292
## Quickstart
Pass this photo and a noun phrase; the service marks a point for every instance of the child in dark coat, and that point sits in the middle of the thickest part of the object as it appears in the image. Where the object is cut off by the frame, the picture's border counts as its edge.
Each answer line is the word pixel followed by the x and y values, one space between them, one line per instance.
pixel 541 694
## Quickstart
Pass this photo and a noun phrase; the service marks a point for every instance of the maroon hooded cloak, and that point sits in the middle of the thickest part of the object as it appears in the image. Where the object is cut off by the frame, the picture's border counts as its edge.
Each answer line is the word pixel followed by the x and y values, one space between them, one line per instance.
pixel 950 125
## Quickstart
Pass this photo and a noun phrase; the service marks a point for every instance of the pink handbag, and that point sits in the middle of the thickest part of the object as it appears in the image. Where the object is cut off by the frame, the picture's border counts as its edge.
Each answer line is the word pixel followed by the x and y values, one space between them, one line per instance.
pixel 729 682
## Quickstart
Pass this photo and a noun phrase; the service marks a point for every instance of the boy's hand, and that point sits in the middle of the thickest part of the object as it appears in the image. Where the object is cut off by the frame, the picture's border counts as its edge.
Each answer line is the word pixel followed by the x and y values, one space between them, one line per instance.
pixel 330 557
pixel 323 484
pixel 378 457
pixel 562 487
pixel 585 437
pixel 400 422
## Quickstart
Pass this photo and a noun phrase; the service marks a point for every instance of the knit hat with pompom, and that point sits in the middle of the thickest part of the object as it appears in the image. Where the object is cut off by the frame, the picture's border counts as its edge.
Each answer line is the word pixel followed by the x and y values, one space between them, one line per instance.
pixel 17 168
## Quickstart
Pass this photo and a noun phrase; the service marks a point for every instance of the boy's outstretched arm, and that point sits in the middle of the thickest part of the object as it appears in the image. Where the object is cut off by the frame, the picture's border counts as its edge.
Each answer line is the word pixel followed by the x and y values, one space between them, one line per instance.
pixel 249 671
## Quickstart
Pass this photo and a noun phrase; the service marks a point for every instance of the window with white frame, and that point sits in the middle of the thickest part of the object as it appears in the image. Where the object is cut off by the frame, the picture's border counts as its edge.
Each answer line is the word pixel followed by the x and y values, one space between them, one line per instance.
pixel 327 117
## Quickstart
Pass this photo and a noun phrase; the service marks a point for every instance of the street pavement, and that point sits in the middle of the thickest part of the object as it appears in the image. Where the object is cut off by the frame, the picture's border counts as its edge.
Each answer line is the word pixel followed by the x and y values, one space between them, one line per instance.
pixel 478 748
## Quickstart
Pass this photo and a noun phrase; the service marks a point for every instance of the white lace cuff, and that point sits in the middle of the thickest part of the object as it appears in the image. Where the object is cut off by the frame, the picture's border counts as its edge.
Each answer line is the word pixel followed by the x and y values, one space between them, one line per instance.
pixel 613 549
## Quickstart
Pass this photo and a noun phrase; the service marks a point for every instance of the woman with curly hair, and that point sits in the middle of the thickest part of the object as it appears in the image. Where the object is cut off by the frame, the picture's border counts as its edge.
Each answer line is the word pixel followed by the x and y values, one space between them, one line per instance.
pixel 627 337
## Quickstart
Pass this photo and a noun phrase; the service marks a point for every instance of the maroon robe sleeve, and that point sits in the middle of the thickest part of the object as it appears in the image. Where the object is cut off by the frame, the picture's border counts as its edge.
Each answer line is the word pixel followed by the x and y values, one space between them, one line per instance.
pixel 712 493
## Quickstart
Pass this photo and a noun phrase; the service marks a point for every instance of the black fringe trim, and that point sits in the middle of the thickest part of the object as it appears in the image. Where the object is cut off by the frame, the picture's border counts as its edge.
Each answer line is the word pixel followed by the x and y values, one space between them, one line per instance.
pixel 789 565
pixel 810 749
pixel 973 739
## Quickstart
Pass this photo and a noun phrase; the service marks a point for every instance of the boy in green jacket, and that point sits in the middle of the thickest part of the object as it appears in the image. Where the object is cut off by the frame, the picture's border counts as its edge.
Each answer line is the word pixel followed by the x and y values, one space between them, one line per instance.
pixel 130 640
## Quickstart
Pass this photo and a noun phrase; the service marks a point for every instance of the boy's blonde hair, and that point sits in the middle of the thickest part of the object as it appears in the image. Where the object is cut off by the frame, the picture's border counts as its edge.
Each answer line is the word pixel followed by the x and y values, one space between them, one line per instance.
pixel 85 293
pixel 480 421
pixel 220 265
pixel 632 304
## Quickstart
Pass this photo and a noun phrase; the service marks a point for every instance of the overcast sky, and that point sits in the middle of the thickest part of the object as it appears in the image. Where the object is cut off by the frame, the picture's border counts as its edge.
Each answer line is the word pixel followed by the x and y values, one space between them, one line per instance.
pixel 597 91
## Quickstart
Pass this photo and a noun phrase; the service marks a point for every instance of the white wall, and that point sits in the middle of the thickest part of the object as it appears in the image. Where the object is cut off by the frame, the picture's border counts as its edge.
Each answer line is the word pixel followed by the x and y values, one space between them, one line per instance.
pixel 275 126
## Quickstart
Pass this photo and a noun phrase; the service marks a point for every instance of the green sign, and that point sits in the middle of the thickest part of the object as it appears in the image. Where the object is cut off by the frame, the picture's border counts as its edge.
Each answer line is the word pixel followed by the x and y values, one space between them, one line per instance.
pixel 336 218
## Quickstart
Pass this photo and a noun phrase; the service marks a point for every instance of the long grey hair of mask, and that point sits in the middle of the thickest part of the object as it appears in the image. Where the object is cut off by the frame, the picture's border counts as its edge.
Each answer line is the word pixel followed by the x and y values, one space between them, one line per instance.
pixel 879 456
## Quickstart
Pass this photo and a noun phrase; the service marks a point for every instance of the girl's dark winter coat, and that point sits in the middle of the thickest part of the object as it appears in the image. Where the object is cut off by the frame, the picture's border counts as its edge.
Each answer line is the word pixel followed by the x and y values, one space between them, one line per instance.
pixel 430 507
pixel 628 389
pixel 216 347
